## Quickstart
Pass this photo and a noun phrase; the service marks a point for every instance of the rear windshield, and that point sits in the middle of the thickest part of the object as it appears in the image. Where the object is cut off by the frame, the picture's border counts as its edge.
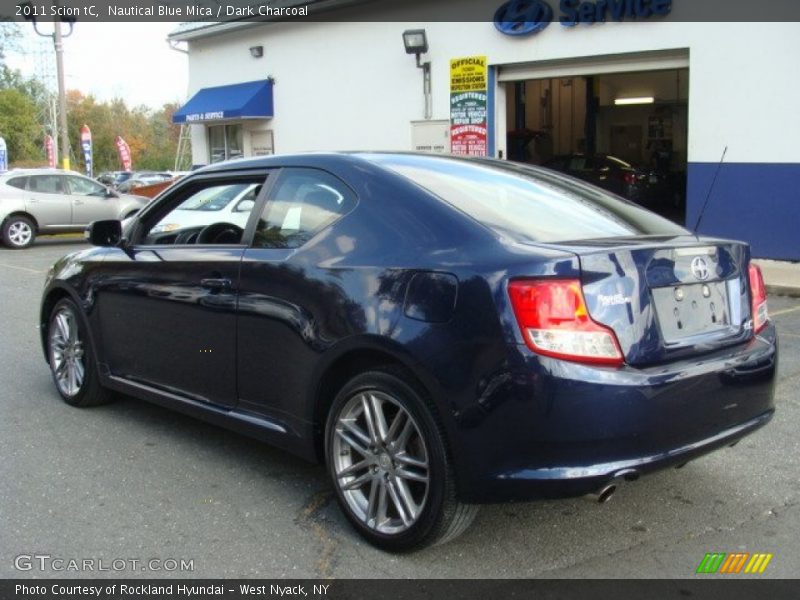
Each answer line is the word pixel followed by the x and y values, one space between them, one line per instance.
pixel 528 204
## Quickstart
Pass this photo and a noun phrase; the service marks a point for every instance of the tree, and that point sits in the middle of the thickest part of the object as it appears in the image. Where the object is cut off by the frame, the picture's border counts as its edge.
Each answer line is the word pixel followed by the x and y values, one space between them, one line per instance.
pixel 9 34
pixel 18 125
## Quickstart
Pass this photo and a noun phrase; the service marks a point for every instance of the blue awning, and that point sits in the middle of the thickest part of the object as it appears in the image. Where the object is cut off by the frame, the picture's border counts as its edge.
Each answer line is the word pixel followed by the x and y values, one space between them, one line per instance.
pixel 249 100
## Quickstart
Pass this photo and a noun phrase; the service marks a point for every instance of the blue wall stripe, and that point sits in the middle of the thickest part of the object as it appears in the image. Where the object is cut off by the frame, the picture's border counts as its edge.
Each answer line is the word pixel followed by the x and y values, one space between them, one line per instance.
pixel 758 203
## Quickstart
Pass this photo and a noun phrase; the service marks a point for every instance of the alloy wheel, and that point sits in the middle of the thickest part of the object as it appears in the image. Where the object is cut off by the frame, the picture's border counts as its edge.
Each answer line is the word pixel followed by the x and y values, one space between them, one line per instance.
pixel 66 352
pixel 380 462
pixel 19 233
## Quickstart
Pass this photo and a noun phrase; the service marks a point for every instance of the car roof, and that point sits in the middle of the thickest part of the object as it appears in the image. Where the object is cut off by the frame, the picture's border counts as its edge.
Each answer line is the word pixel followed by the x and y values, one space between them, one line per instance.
pixel 342 157
pixel 41 171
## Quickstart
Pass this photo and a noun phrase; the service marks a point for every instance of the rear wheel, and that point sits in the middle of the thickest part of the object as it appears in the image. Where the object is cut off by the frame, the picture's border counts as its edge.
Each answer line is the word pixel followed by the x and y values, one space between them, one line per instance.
pixel 387 457
pixel 18 232
pixel 71 359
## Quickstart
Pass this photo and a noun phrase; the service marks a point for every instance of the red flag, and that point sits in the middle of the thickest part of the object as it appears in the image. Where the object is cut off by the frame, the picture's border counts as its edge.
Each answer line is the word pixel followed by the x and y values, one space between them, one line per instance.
pixel 50 150
pixel 124 153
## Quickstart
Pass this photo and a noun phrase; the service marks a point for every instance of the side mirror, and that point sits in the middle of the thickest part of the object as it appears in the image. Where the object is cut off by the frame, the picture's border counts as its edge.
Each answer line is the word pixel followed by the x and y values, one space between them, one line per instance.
pixel 111 193
pixel 104 233
pixel 245 206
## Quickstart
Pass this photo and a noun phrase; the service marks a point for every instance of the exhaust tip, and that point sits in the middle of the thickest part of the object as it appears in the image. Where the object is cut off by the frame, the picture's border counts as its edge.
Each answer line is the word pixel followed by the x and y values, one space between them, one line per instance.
pixel 604 495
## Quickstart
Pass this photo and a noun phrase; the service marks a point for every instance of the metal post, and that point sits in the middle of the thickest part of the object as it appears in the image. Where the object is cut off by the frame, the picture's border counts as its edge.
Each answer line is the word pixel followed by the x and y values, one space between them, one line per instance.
pixel 62 97
pixel 426 86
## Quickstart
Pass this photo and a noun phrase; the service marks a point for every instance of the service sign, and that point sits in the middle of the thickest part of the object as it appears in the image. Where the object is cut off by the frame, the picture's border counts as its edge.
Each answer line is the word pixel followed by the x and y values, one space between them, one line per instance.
pixel 468 117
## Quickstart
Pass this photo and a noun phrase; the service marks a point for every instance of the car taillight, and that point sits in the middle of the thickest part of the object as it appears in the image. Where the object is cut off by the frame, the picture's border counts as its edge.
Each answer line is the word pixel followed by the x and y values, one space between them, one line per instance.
pixel 554 320
pixel 629 178
pixel 758 298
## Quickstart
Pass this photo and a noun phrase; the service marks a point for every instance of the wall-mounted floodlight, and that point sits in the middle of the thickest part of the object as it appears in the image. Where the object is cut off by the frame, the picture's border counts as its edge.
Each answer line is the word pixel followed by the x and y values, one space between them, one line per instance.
pixel 416 43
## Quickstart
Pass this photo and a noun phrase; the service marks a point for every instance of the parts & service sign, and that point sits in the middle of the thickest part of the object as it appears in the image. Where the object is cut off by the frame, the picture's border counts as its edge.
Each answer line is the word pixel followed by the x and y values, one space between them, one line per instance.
pixel 468 93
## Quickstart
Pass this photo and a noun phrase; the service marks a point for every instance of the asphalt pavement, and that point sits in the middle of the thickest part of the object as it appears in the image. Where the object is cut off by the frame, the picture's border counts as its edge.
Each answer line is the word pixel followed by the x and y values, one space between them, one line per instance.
pixel 133 482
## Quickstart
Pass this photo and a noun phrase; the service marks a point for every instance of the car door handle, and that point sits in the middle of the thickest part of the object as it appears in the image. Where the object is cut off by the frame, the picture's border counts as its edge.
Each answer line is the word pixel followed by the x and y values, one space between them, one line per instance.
pixel 218 285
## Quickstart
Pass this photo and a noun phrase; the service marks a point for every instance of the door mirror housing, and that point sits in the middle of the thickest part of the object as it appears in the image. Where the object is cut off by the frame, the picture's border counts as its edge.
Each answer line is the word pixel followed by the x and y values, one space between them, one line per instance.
pixel 104 233
pixel 111 193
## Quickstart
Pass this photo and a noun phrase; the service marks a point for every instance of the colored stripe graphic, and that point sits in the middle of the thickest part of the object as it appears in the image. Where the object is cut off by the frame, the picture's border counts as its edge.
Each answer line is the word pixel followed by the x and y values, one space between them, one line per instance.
pixel 711 562
pixel 734 562
pixel 758 563
pixel 723 563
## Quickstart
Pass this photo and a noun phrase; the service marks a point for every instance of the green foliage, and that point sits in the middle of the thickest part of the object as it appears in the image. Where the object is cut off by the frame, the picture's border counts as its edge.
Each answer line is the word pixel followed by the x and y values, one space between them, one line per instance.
pixel 24 106
pixel 18 124
pixel 152 137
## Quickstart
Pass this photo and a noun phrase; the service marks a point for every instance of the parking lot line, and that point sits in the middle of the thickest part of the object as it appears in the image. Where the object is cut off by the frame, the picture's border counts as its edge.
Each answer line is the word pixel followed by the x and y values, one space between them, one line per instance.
pixel 784 311
pixel 22 268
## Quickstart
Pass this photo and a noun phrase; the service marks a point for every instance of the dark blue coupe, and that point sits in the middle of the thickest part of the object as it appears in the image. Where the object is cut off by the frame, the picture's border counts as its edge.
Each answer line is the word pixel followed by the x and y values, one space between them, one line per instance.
pixel 441 332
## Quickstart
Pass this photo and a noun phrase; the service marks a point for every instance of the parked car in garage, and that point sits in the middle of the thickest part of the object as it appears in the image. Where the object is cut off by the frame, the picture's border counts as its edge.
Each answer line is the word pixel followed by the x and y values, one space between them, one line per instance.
pixel 440 332
pixel 47 201
pixel 608 172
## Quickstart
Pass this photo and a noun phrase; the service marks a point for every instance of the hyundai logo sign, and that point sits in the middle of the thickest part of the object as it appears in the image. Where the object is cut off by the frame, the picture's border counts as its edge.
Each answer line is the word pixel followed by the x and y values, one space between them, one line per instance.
pixel 523 17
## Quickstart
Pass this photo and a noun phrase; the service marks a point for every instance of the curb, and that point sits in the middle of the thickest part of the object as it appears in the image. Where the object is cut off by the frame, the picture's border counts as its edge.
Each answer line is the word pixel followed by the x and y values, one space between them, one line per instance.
pixel 791 291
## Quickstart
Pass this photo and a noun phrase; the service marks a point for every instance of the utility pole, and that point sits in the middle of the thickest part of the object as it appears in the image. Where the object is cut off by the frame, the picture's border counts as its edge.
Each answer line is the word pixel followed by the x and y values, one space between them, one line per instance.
pixel 62 95
pixel 29 13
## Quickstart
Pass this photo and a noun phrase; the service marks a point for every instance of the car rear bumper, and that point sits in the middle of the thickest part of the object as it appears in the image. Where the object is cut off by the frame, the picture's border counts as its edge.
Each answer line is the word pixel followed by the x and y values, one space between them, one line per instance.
pixel 559 429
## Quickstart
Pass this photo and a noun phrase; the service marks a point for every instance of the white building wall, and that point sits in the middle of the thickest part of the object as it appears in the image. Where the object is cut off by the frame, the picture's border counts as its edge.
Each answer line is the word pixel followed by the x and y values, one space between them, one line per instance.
pixel 351 85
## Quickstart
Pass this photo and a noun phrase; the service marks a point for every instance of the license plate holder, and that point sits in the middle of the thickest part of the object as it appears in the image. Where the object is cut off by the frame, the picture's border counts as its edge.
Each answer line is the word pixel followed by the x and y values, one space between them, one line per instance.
pixel 692 309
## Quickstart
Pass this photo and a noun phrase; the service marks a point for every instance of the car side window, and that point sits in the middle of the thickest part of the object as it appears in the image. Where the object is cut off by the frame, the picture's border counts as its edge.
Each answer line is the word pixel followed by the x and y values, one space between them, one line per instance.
pixel 85 187
pixel 46 184
pixel 216 214
pixel 302 203
pixel 18 182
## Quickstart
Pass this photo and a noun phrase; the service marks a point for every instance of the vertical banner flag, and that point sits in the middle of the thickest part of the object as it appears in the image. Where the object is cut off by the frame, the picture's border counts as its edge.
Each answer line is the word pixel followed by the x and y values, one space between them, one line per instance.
pixel 3 156
pixel 86 146
pixel 468 93
pixel 124 153
pixel 50 151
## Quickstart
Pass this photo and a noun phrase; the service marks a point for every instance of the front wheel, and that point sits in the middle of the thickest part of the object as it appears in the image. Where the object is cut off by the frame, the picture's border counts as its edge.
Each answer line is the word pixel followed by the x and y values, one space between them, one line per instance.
pixel 69 353
pixel 18 232
pixel 388 460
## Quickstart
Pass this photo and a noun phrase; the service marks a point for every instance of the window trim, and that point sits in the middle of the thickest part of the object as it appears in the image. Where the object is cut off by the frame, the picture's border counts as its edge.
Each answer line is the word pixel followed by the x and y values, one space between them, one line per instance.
pixel 68 182
pixel 59 177
pixel 25 178
pixel 268 200
pixel 177 195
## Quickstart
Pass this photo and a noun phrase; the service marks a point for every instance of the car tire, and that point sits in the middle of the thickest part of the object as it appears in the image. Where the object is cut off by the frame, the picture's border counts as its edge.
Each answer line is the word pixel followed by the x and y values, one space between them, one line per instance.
pixel 71 358
pixel 18 232
pixel 390 466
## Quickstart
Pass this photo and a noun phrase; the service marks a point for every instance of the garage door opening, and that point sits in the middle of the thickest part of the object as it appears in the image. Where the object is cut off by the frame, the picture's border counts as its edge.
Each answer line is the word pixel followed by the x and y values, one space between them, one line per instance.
pixel 626 132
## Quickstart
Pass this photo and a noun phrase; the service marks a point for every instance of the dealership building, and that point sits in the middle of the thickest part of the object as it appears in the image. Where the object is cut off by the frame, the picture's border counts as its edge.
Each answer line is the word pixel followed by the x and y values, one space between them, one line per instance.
pixel 713 103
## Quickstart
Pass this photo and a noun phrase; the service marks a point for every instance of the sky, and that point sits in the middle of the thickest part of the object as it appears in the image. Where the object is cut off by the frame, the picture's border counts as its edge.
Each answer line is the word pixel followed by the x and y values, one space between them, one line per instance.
pixel 107 60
